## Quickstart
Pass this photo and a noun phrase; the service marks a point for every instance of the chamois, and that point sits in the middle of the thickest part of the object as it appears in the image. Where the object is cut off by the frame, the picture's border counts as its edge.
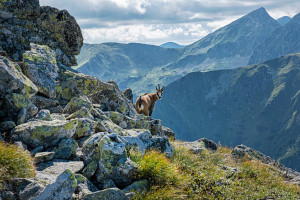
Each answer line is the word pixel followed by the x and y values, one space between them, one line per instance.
pixel 145 103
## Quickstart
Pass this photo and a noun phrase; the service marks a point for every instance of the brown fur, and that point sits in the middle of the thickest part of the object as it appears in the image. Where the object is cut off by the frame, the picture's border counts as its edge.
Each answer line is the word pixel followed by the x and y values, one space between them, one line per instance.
pixel 145 103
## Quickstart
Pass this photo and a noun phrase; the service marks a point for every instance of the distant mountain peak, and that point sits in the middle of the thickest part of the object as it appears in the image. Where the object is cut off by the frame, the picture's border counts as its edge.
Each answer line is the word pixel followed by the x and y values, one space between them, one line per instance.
pixel 171 45
pixel 283 20
pixel 259 13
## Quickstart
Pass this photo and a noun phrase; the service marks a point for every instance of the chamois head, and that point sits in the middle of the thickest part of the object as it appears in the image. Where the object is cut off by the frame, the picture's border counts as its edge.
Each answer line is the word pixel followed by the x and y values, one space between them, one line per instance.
pixel 159 91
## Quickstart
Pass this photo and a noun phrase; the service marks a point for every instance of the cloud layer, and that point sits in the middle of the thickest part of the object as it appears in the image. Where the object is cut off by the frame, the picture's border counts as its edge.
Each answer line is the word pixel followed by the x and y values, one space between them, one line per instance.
pixel 159 21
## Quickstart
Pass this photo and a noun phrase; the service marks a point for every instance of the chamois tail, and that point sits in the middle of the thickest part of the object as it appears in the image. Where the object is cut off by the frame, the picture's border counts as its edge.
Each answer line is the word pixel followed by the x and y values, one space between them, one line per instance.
pixel 140 105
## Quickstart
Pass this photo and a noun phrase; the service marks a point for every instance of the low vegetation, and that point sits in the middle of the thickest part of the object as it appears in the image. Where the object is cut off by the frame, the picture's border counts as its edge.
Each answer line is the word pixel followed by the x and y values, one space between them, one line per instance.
pixel 211 175
pixel 15 162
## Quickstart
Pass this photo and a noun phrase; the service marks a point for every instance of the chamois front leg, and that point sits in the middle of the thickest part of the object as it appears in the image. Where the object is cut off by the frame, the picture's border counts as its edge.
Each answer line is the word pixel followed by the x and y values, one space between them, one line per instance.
pixel 151 110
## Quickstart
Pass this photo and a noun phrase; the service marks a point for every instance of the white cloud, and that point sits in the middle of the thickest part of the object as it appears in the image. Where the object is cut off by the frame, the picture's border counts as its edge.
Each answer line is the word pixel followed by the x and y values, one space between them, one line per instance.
pixel 159 21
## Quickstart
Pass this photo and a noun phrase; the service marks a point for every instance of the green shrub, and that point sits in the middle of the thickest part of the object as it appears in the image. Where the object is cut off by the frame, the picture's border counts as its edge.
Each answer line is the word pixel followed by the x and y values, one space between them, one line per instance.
pixel 157 168
pixel 15 162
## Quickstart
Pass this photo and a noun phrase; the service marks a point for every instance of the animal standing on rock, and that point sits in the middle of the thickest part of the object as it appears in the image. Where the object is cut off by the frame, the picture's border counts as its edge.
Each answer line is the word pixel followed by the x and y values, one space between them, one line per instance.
pixel 145 103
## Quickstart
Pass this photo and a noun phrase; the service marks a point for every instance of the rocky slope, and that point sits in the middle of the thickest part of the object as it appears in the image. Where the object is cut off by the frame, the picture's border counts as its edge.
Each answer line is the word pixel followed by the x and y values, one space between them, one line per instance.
pixel 255 105
pixel 78 128
pixel 248 40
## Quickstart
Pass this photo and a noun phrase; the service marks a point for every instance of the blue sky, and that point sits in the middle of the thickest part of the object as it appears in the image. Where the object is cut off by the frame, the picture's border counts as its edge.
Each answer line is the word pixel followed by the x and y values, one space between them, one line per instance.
pixel 160 21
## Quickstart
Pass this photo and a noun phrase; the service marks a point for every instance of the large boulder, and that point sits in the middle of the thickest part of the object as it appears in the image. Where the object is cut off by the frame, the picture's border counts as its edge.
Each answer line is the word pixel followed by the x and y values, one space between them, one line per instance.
pixel 26 22
pixel 62 189
pixel 91 150
pixel 77 103
pixel 12 80
pixel 39 65
pixel 66 149
pixel 44 133
pixel 43 102
pixel 73 84
pixel 17 101
pixel 114 163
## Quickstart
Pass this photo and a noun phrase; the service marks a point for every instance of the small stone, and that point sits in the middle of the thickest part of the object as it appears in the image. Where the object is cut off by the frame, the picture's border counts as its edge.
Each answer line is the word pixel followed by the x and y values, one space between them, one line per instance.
pixel 22 116
pixel 108 183
pixel 66 149
pixel 43 157
pixel 44 115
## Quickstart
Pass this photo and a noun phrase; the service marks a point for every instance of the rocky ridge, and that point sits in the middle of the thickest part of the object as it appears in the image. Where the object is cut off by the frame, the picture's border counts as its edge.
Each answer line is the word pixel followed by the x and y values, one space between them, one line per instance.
pixel 79 129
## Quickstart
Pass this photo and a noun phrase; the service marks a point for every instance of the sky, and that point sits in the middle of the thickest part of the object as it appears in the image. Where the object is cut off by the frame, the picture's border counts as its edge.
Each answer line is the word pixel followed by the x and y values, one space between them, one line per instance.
pixel 159 21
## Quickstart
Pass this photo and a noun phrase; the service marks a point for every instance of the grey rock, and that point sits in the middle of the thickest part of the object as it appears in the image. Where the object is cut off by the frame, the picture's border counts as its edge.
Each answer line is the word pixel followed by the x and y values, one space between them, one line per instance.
pixel 8 195
pixel 107 194
pixel 20 145
pixel 7 126
pixel 47 172
pixel 84 128
pixel 155 127
pixel 41 68
pixel 18 101
pixel 66 149
pixel 44 115
pixel 27 189
pixel 130 195
pixel 77 103
pixel 128 94
pixel 141 186
pixel 22 116
pixel 165 131
pixel 44 133
pixel 91 148
pixel 90 169
pixel 99 127
pixel 1 137
pixel 82 113
pixel 61 189
pixel 43 102
pixel 36 150
pixel 56 109
pixel 43 157
pixel 12 80
pixel 84 186
pixel 209 144
pixel 108 183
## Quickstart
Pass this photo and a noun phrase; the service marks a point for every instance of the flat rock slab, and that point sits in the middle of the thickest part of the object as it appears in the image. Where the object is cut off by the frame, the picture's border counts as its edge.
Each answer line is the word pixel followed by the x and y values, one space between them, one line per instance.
pixel 47 172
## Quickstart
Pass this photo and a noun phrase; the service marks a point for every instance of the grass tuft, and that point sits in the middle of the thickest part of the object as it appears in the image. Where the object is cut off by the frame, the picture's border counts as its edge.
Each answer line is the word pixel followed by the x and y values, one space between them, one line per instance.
pixel 15 162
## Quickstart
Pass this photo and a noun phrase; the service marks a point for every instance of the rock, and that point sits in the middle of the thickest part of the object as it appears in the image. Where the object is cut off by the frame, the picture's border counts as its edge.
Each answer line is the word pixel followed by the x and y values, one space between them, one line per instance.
pixel 143 140
pixel 22 116
pixel 12 80
pixel 47 172
pixel 1 138
pixel 43 157
pixel 56 109
pixel 41 68
pixel 84 128
pixel 155 127
pixel 18 101
pixel 44 115
pixel 141 186
pixel 108 183
pixel 7 195
pixel 99 127
pixel 43 133
pixel 77 103
pixel 107 194
pixel 82 113
pixel 84 186
pixel 138 122
pixel 7 126
pixel 91 148
pixel 64 30
pixel 43 102
pixel 128 94
pixel 21 9
pixel 20 145
pixel 194 147
pixel 209 144
pixel 66 149
pixel 57 116
pixel 113 162
pixel 62 188
pixel 26 188
pixel 165 131
pixel 113 100
pixel 72 84
pixel 90 169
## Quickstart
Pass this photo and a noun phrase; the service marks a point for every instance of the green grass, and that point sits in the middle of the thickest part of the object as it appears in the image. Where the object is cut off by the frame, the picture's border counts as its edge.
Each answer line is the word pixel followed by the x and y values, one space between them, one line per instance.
pixel 15 163
pixel 212 175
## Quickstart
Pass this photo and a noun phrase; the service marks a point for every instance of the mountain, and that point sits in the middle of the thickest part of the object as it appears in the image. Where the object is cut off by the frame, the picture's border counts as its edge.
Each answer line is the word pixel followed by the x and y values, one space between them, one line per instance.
pixel 125 63
pixel 256 105
pixel 283 20
pixel 284 40
pixel 171 45
pixel 246 40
